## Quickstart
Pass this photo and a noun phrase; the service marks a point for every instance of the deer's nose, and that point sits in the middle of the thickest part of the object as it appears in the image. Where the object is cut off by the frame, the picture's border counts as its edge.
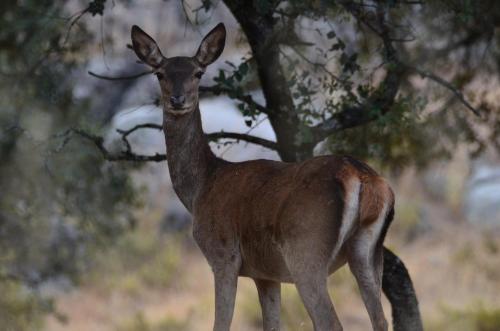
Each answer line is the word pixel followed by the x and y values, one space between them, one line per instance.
pixel 177 101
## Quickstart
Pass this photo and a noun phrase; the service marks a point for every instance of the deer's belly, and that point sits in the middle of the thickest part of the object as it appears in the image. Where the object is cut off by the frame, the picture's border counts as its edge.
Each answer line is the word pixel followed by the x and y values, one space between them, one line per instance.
pixel 262 259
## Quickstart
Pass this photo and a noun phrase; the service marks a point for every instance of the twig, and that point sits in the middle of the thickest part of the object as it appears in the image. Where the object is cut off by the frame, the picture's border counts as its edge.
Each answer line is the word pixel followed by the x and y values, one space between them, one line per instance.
pixel 215 89
pixel 458 94
pixel 129 155
pixel 383 97
pixel 140 126
pixel 241 136
pixel 98 141
pixel 126 133
pixel 246 98
pixel 317 65
pixel 135 76
pixel 74 19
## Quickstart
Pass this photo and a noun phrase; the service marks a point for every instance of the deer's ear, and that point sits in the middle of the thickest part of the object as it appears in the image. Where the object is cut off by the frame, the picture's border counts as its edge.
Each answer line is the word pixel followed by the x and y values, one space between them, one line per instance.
pixel 211 46
pixel 145 47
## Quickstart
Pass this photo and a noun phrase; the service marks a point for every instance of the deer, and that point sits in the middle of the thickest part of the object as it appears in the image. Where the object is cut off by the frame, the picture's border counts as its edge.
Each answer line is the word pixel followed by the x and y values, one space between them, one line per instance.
pixel 271 221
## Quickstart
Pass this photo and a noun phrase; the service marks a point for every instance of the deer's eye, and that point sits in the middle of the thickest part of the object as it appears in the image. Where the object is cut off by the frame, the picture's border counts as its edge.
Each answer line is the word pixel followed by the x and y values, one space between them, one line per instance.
pixel 199 74
pixel 159 75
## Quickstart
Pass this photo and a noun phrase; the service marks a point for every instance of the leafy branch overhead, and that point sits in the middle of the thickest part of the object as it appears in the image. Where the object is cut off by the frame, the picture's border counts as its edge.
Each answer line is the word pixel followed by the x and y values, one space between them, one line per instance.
pixel 294 85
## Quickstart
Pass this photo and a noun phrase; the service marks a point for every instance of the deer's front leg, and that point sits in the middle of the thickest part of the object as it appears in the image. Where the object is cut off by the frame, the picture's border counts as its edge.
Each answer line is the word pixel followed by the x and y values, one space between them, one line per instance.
pixel 221 249
pixel 226 280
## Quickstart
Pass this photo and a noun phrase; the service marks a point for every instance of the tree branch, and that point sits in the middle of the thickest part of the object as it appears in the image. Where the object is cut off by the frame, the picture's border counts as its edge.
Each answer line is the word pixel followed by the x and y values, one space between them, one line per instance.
pixel 246 98
pixel 458 94
pixel 380 101
pixel 129 155
pixel 214 89
pixel 155 126
pixel 135 76
pixel 244 137
pixel 383 97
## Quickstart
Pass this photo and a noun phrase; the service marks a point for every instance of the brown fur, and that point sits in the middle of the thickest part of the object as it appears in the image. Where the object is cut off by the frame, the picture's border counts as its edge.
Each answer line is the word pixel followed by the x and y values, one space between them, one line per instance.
pixel 275 201
pixel 375 192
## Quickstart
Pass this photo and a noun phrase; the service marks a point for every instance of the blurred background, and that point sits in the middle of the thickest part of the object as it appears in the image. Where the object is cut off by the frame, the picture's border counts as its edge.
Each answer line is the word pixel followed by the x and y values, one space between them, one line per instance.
pixel 93 238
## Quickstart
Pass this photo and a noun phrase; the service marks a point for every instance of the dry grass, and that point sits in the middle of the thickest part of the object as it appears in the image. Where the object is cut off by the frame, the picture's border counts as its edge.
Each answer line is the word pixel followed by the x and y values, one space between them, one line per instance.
pixel 444 277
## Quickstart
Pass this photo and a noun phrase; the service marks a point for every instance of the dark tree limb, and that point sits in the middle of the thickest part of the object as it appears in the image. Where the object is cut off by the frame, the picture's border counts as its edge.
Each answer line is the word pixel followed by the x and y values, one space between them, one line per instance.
pixel 127 132
pixel 214 136
pixel 246 98
pixel 383 97
pixel 243 137
pixel 129 155
pixel 441 81
pixel 215 89
pixel 381 100
pixel 138 75
pixel 378 104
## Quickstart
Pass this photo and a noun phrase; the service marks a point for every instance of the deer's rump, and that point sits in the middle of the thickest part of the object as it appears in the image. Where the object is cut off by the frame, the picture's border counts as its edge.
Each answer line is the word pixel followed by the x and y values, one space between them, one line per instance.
pixel 277 205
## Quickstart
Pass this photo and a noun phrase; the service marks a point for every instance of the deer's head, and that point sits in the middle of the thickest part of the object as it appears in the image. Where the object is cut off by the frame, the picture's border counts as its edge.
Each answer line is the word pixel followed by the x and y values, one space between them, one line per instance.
pixel 179 76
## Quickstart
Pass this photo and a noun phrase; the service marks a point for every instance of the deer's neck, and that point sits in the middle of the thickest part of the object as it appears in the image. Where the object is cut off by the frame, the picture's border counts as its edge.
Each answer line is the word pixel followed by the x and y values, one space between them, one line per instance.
pixel 190 159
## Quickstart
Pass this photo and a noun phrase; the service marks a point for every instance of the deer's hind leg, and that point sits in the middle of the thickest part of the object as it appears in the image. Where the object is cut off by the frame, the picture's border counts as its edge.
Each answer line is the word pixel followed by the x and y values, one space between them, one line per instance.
pixel 270 301
pixel 365 259
pixel 308 266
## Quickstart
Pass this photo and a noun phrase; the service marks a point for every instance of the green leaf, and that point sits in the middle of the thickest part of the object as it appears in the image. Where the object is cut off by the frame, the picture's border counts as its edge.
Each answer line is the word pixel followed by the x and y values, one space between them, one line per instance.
pixel 243 68
pixel 339 45
pixel 262 6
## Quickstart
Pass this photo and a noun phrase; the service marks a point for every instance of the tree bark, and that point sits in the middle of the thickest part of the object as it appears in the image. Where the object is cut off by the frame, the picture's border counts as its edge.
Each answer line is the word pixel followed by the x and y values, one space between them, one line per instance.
pixel 259 30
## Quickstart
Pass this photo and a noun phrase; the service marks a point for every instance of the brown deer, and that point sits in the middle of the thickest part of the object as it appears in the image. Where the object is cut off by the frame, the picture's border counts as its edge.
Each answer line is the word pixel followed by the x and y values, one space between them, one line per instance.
pixel 271 221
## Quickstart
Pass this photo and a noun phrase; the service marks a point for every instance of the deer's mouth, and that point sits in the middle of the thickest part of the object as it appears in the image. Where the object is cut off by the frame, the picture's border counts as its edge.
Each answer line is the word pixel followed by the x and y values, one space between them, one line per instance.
pixel 179 110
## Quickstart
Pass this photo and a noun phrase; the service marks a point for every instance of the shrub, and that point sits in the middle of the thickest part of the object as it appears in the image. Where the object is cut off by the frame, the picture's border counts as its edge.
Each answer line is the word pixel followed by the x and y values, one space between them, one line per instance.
pixel 477 317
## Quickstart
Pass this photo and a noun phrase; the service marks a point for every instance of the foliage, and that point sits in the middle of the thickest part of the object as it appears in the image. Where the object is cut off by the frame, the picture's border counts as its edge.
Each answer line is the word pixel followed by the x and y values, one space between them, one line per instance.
pixel 20 308
pixel 329 71
pixel 140 323
pixel 60 201
pixel 138 259
pixel 474 318
pixel 396 140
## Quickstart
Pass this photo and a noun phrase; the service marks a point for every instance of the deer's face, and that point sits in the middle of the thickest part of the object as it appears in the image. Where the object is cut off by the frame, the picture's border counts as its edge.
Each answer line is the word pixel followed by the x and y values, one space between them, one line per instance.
pixel 179 77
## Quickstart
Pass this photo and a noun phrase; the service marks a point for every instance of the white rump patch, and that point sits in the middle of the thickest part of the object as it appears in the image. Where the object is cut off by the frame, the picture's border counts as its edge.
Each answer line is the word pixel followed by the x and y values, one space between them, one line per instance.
pixel 369 237
pixel 350 214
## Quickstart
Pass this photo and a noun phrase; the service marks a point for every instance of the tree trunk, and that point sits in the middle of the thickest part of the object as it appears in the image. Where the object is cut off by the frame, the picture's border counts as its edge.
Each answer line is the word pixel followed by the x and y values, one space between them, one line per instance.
pixel 259 30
